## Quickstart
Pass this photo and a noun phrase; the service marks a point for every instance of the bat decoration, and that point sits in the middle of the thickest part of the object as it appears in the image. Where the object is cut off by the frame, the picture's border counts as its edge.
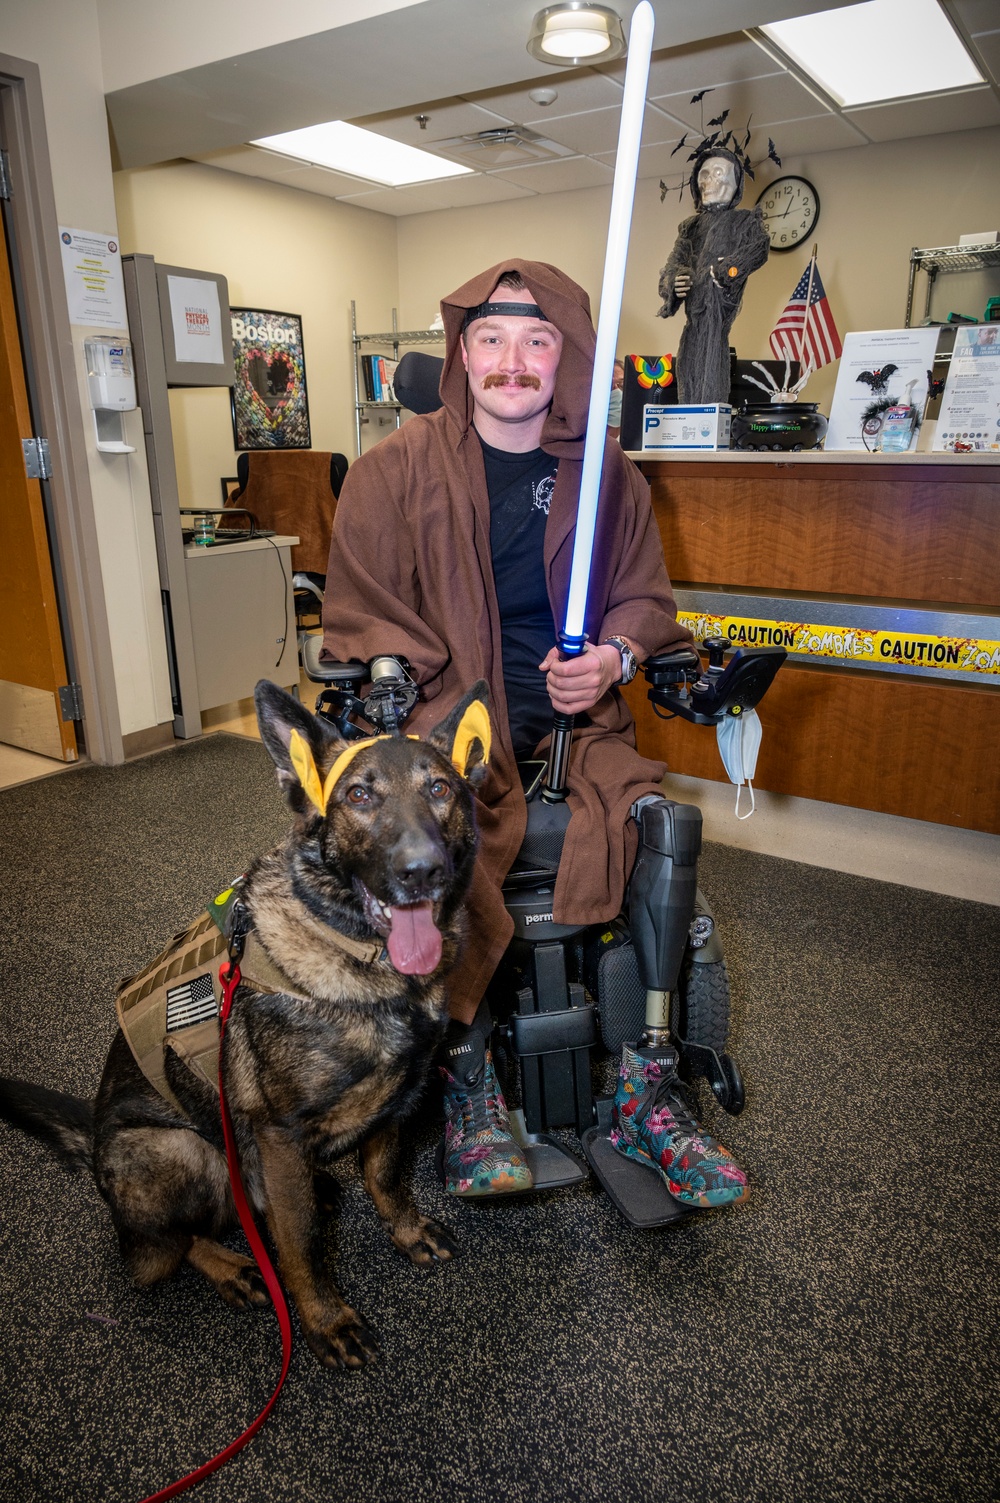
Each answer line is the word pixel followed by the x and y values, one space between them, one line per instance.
pixel 736 143
pixel 878 380
pixel 934 388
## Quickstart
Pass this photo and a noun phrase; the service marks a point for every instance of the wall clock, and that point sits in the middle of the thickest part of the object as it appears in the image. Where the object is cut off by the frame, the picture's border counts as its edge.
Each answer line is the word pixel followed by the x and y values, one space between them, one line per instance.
pixel 790 209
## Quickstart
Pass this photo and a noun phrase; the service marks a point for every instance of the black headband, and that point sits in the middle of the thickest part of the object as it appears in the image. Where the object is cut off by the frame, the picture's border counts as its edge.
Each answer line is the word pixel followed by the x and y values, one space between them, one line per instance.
pixel 514 310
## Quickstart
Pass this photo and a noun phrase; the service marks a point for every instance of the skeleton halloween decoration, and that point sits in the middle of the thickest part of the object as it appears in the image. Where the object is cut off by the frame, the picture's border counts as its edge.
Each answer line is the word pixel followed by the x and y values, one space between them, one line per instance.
pixel 714 253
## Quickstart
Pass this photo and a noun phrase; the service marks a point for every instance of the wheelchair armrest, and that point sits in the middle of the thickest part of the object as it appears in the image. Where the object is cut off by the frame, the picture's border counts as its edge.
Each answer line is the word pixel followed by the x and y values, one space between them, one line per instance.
pixel 339 675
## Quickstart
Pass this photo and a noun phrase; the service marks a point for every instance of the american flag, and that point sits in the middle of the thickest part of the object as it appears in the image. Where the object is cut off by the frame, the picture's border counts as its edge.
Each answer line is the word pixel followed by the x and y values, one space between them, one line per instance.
pixel 822 342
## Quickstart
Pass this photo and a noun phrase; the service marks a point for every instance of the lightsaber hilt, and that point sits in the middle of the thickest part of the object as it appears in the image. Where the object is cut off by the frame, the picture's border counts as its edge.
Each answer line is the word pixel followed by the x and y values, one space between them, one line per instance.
pixel 554 788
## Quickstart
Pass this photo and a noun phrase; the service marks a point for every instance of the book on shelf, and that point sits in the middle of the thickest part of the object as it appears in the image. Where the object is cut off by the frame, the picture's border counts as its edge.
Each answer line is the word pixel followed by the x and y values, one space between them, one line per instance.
pixel 366 378
pixel 389 377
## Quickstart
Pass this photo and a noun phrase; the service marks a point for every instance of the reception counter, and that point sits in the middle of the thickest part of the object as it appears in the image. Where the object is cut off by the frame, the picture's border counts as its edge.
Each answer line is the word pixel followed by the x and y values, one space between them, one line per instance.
pixel 880 574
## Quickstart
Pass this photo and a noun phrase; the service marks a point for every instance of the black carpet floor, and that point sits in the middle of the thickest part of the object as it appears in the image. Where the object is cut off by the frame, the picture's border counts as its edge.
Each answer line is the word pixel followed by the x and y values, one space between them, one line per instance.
pixel 834 1339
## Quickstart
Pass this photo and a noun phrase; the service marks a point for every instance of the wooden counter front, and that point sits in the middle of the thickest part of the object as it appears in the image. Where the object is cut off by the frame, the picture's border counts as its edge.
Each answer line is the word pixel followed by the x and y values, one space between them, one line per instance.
pixel 913 533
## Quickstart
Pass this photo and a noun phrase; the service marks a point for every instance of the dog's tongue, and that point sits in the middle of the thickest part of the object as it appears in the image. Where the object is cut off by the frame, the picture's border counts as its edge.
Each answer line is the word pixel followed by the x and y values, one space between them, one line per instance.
pixel 414 942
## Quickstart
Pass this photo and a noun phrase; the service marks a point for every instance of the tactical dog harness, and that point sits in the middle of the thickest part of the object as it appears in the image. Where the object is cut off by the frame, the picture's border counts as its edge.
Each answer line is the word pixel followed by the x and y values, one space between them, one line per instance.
pixel 173 1004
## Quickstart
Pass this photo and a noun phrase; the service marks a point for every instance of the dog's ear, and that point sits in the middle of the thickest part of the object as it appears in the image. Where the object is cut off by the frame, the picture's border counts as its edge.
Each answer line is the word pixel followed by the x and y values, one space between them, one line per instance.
pixel 301 745
pixel 464 736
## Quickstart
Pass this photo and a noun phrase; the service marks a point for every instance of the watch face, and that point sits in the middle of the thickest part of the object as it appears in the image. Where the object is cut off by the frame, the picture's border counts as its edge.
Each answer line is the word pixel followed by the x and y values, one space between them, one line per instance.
pixel 790 209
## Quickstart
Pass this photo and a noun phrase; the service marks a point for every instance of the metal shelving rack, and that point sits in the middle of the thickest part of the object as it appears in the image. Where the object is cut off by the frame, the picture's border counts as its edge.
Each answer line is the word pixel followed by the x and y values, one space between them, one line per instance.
pixel 947 258
pixel 394 340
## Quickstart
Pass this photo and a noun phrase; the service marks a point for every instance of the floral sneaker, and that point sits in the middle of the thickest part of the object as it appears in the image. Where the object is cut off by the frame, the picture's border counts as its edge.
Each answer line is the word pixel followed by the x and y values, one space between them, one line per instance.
pixel 480 1155
pixel 652 1124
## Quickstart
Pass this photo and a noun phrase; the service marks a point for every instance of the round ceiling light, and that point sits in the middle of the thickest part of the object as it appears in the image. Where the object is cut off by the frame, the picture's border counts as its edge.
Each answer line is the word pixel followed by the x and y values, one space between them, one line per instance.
pixel 576 32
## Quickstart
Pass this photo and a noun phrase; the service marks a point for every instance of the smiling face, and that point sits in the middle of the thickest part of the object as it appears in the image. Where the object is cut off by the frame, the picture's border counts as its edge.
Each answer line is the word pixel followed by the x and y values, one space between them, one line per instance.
pixel 511 364
pixel 716 180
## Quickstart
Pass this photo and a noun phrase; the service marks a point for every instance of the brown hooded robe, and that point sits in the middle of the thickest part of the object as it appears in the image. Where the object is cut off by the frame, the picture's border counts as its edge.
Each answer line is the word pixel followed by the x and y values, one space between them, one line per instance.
pixel 410 573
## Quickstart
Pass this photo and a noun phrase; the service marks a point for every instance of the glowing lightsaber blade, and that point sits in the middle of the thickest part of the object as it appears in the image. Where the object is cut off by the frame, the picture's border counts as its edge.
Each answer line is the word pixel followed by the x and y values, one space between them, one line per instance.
pixel 572 638
pixel 640 46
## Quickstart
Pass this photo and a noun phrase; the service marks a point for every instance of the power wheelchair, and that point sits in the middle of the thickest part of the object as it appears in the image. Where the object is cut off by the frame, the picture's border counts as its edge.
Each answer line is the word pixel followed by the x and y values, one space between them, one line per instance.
pixel 655 974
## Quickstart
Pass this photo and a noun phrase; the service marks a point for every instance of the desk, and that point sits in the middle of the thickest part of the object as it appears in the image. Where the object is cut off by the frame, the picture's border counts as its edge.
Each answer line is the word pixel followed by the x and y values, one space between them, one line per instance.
pixel 242 617
pixel 900 541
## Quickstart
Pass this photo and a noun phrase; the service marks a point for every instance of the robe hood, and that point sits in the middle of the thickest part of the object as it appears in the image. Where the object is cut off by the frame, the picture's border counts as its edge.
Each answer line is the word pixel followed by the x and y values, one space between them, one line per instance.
pixel 564 304
pixel 699 162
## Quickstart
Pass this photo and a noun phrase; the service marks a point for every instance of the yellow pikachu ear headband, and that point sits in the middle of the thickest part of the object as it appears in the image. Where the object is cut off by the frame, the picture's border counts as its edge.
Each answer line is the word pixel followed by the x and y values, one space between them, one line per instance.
pixel 473 726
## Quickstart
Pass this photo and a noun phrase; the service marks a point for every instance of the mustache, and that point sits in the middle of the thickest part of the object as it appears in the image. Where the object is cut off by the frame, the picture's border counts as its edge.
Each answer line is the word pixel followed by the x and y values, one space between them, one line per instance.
pixel 524 379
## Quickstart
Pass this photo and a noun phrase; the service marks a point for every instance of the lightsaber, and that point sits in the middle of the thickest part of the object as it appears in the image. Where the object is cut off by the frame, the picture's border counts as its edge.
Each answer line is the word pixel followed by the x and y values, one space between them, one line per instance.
pixel 572 638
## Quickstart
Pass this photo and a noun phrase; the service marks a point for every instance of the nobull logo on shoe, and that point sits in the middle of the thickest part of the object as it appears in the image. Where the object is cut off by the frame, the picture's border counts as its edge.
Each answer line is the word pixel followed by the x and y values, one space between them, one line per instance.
pixel 538 918
pixel 460 1049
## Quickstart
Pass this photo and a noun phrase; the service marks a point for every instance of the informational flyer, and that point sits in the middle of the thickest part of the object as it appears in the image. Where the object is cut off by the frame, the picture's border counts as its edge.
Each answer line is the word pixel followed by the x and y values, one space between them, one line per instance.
pixel 969 420
pixel 879 365
pixel 196 318
pixel 95 287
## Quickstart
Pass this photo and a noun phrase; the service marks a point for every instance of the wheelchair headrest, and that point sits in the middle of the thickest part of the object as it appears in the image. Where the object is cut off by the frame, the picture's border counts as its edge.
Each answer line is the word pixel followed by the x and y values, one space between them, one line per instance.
pixel 416 382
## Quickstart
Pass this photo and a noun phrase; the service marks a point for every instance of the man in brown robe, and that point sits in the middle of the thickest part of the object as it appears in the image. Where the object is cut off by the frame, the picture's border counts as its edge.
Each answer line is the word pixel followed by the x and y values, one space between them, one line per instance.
pixel 411 573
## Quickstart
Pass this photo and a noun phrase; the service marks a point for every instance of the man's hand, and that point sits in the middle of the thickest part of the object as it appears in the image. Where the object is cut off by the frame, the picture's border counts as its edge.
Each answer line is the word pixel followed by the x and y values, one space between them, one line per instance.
pixel 576 684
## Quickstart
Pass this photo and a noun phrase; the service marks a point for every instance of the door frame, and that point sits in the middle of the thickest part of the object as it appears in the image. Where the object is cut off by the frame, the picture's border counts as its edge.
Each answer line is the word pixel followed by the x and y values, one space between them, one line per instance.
pixel 55 402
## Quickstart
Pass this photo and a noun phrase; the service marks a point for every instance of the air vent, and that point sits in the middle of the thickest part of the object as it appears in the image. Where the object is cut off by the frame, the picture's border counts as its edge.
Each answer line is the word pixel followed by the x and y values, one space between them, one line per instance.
pixel 503 146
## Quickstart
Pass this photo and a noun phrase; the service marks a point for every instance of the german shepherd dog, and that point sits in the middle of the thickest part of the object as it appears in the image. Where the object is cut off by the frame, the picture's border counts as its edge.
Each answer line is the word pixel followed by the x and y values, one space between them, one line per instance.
pixel 332 1056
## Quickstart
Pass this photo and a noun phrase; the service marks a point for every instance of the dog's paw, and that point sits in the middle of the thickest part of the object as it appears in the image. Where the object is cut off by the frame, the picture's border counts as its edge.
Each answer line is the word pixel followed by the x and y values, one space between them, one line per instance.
pixel 426 1243
pixel 345 1342
pixel 244 1287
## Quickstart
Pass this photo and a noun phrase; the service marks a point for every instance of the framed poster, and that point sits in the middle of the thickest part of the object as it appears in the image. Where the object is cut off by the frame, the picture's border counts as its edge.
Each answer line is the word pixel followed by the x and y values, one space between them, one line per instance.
pixel 270 410
pixel 196 349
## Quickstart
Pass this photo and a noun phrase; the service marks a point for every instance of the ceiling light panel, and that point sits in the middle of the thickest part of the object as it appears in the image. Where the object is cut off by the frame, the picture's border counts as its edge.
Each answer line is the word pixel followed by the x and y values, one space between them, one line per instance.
pixel 878 50
pixel 362 153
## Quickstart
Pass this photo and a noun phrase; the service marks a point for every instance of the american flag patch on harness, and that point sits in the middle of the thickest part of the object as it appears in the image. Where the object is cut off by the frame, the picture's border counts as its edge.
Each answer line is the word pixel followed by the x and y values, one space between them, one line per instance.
pixel 194 1002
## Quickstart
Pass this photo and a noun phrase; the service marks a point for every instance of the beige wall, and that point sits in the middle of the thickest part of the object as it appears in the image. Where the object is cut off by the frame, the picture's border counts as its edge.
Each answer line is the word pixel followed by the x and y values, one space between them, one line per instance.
pixel 877 202
pixel 281 250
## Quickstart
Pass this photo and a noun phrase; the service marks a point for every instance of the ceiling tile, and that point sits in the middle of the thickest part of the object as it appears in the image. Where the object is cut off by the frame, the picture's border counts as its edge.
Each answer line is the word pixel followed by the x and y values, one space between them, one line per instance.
pixel 778 97
pixel 253 162
pixel 446 117
pixel 577 91
pixel 928 117
pixel 707 65
pixel 654 161
pixel 451 193
pixel 815 133
pixel 558 177
pixel 597 130
pixel 977 15
pixel 988 47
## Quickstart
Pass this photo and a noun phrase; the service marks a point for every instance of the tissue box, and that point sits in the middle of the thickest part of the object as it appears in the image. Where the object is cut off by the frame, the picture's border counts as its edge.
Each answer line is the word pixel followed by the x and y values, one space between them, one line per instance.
pixel 686 427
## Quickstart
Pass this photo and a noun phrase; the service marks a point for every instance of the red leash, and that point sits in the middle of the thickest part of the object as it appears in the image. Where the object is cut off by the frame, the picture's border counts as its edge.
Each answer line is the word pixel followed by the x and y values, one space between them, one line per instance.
pixel 229 975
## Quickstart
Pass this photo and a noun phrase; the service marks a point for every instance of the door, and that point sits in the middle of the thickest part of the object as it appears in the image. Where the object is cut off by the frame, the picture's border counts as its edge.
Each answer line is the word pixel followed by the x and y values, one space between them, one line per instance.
pixel 32 661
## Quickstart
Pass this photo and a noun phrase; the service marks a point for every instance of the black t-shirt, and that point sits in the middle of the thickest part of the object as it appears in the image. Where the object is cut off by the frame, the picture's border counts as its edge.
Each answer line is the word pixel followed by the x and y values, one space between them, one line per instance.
pixel 520 489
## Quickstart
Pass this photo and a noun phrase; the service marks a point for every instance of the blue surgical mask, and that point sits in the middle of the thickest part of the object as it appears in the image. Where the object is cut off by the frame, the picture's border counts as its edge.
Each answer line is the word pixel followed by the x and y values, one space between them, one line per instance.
pixel 739 739
pixel 615 408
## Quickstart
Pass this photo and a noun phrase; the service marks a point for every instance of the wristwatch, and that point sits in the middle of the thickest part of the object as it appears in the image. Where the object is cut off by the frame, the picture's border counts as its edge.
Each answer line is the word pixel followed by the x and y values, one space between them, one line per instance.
pixel 629 664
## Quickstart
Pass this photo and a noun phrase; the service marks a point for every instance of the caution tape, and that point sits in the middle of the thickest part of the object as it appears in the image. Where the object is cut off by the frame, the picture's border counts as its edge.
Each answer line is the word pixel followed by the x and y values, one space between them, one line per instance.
pixel 890 649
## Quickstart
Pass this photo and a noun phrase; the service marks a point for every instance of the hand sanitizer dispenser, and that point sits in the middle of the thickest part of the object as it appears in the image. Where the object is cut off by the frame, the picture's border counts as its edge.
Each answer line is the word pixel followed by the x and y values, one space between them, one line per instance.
pixel 111 386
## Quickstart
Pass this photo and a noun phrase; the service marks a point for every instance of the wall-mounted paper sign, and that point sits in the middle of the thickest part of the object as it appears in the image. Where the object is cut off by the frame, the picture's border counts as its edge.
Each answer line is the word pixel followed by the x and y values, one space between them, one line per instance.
pixel 196 319
pixel 878 366
pixel 969 420
pixel 92 269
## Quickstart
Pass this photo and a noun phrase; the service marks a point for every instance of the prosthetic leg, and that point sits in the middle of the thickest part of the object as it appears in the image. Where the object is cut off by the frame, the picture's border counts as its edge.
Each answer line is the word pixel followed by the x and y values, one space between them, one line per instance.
pixel 664 919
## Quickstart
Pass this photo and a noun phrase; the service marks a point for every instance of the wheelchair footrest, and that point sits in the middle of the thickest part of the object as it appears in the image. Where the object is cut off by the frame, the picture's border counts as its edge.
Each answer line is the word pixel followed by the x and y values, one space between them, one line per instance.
pixel 638 1193
pixel 552 1166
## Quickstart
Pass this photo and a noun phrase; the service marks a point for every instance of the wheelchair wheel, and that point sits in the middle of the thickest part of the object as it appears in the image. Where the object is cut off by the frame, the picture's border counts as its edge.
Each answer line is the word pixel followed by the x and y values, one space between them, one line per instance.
pixel 702 1023
pixel 703 1004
